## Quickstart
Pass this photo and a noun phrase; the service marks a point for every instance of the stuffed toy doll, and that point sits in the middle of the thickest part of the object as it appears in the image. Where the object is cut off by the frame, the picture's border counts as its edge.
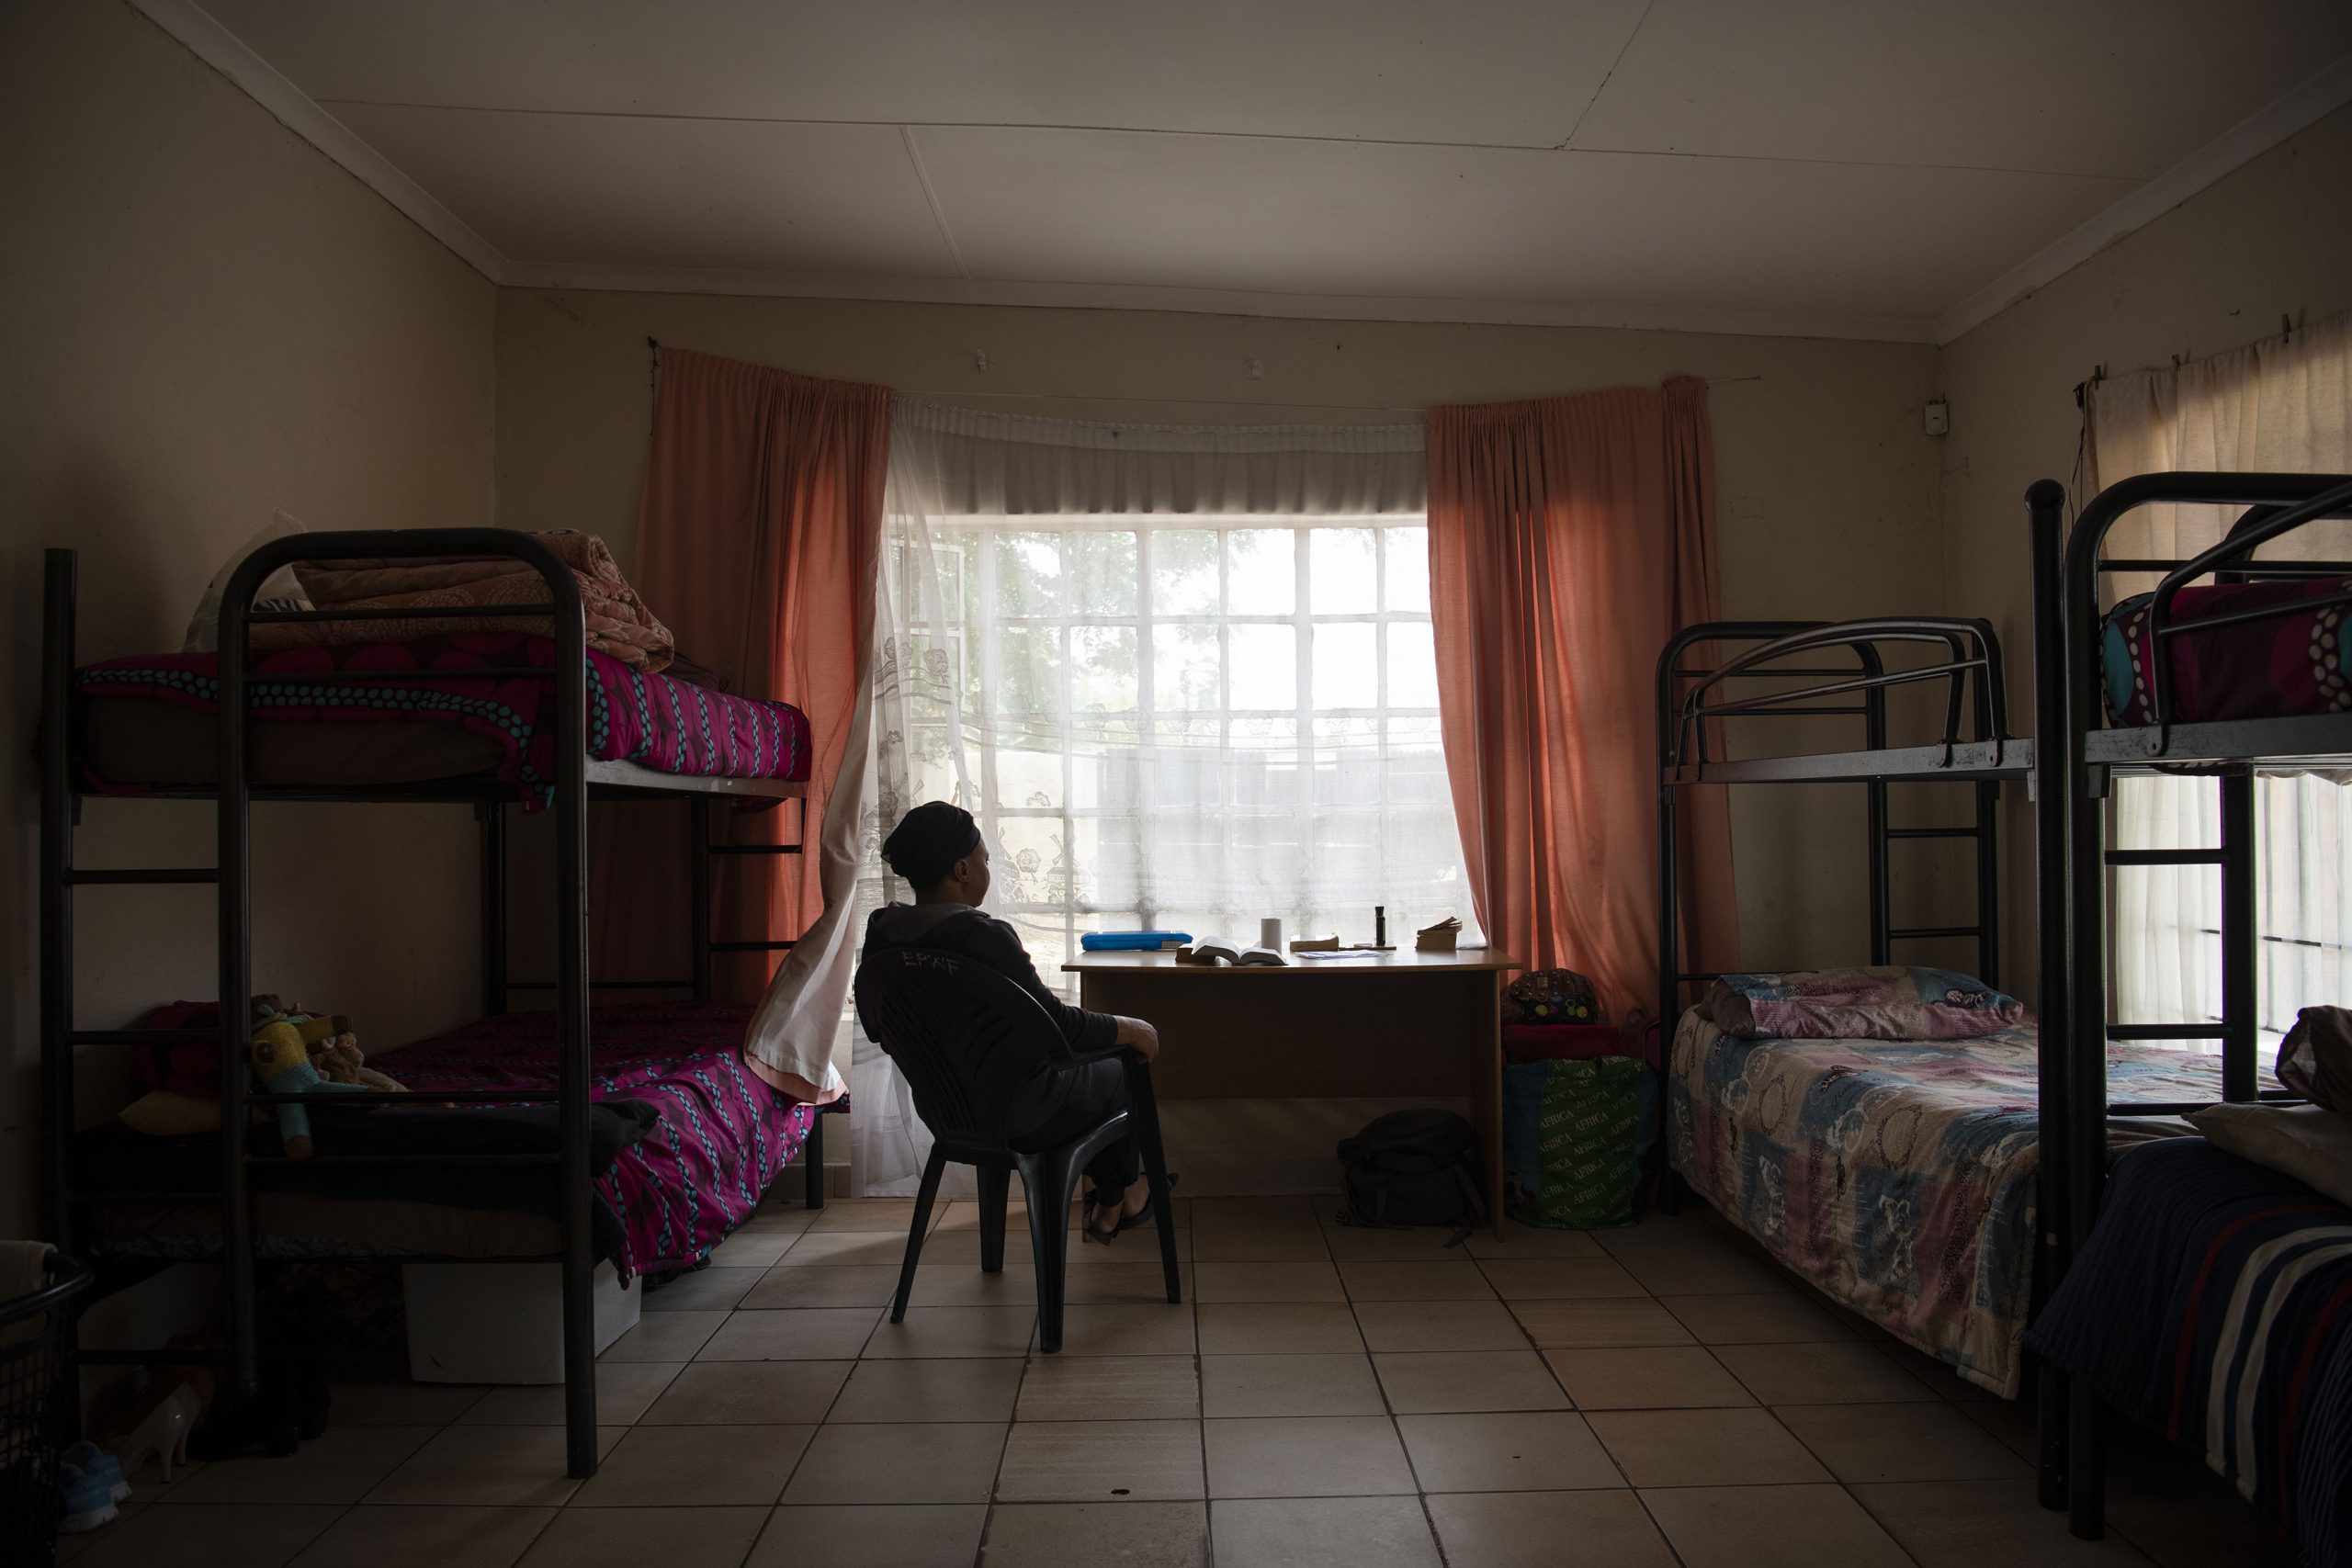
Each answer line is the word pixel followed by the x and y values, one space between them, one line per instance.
pixel 338 1057
pixel 341 1062
pixel 281 1058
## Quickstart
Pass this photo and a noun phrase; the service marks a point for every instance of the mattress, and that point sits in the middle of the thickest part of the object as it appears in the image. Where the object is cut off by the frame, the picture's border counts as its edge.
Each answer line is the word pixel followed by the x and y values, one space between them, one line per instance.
pixel 687 1137
pixel 721 1138
pixel 1896 1177
pixel 2212 1304
pixel 147 720
pixel 2276 668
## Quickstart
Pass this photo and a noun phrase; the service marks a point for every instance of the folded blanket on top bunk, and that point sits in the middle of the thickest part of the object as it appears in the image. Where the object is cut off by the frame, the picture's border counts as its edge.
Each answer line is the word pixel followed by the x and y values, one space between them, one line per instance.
pixel 2213 1305
pixel 1897 1176
pixel 2267 668
pixel 147 718
pixel 617 623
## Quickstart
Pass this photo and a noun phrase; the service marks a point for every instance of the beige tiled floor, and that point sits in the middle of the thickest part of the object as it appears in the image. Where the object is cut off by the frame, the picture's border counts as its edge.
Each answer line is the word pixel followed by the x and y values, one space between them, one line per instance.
pixel 1633 1399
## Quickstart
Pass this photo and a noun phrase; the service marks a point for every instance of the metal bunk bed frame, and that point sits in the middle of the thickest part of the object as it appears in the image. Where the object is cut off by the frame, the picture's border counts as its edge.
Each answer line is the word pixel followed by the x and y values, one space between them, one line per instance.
pixel 2075 858
pixel 1975 748
pixel 579 779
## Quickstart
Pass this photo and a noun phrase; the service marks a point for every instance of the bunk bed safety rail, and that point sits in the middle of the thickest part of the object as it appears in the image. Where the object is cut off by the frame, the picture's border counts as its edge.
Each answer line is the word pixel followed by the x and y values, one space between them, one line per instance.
pixel 1669 695
pixel 2277 503
pixel 2257 527
pixel 1974 660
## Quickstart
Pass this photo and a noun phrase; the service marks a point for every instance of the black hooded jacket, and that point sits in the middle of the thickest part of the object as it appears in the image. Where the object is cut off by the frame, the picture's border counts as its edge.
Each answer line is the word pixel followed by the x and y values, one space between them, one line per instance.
pixel 961 930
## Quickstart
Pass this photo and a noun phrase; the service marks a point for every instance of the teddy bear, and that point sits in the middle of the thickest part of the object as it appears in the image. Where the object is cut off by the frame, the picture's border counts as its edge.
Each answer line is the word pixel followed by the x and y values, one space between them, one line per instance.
pixel 339 1058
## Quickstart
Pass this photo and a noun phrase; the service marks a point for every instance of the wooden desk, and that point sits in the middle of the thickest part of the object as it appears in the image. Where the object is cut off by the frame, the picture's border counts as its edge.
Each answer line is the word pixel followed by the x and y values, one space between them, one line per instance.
pixel 1407 1024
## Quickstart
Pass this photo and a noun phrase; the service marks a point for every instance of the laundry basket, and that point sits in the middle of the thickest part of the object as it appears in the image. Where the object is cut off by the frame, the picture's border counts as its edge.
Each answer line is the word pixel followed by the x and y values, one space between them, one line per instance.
pixel 35 1415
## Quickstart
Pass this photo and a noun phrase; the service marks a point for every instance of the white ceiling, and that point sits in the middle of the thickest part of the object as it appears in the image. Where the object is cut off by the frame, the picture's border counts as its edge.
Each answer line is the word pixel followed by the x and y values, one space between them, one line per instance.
pixel 1890 168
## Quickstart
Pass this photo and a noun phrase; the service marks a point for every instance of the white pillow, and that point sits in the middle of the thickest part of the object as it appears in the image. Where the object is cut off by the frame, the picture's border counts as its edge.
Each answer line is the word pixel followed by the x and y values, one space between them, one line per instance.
pixel 2310 1143
pixel 162 1113
pixel 281 590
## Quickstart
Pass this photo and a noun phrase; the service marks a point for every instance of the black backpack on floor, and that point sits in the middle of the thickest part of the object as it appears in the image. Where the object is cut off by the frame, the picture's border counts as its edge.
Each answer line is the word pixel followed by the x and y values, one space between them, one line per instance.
pixel 1411 1167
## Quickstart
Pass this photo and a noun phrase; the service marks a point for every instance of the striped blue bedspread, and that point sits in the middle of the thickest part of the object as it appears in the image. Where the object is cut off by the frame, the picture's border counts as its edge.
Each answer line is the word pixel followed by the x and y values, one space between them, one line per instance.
pixel 2212 1304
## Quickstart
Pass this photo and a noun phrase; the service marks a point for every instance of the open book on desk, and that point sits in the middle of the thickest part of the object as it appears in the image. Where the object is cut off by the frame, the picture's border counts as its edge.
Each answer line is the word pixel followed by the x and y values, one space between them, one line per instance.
pixel 1213 950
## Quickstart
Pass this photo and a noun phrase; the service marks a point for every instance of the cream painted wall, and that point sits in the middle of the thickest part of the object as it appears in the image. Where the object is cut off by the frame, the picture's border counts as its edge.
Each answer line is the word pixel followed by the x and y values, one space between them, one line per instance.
pixel 1828 489
pixel 204 318
pixel 2270 240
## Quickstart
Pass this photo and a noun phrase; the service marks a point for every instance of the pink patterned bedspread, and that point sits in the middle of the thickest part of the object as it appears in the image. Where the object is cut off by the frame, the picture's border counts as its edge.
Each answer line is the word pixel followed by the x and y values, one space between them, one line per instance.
pixel 1897 1176
pixel 724 1135
pixel 655 721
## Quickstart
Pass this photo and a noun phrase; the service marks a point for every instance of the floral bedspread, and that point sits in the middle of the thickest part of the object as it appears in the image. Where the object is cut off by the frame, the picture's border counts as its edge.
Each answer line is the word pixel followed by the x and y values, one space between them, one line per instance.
pixel 1896 1177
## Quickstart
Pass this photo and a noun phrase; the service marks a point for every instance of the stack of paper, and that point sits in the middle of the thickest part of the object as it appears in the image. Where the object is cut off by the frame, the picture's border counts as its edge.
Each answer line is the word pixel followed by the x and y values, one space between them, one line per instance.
pixel 1440 937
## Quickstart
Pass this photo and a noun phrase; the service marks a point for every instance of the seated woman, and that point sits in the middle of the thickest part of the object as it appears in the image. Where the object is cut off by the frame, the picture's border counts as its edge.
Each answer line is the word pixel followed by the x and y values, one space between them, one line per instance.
pixel 937 848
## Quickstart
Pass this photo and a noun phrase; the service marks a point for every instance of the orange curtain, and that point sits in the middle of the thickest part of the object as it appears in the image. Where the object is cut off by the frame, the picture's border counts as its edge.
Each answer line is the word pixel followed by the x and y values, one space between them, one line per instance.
pixel 1569 537
pixel 757 537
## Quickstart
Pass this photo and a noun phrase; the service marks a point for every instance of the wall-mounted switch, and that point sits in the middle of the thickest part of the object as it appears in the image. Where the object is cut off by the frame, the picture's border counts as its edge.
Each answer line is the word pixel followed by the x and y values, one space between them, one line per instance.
pixel 1938 417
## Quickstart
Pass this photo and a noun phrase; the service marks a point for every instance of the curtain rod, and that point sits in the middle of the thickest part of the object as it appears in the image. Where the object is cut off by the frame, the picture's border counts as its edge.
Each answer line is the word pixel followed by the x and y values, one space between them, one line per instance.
pixel 1211 402
pixel 653 347
pixel 1117 398
pixel 2289 323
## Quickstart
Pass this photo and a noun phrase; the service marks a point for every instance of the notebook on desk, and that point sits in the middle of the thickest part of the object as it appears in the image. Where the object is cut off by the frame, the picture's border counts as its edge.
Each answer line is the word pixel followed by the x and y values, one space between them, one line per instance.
pixel 1216 949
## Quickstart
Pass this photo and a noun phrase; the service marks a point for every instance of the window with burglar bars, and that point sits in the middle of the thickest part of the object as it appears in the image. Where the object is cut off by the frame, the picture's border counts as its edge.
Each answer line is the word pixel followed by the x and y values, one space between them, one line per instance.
pixel 1188 723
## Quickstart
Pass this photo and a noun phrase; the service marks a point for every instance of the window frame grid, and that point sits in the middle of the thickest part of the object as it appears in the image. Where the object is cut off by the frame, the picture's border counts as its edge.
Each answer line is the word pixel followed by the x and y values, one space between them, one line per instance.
pixel 960 631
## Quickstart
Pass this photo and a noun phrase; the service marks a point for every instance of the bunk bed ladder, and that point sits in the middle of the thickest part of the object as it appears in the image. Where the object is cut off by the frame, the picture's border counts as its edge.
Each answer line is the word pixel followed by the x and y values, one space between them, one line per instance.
pixel 1986 857
pixel 2239 1030
pixel 813 1146
pixel 60 1040
pixel 1982 831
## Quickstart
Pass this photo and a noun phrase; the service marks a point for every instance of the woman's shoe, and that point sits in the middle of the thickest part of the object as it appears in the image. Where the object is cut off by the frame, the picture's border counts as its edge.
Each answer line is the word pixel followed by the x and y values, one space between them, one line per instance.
pixel 86 1498
pixel 162 1436
pixel 1127 1221
pixel 1143 1216
pixel 94 1460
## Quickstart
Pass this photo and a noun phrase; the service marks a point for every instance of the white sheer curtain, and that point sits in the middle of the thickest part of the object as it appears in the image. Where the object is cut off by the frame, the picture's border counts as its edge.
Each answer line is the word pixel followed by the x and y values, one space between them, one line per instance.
pixel 1184 675
pixel 2284 405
